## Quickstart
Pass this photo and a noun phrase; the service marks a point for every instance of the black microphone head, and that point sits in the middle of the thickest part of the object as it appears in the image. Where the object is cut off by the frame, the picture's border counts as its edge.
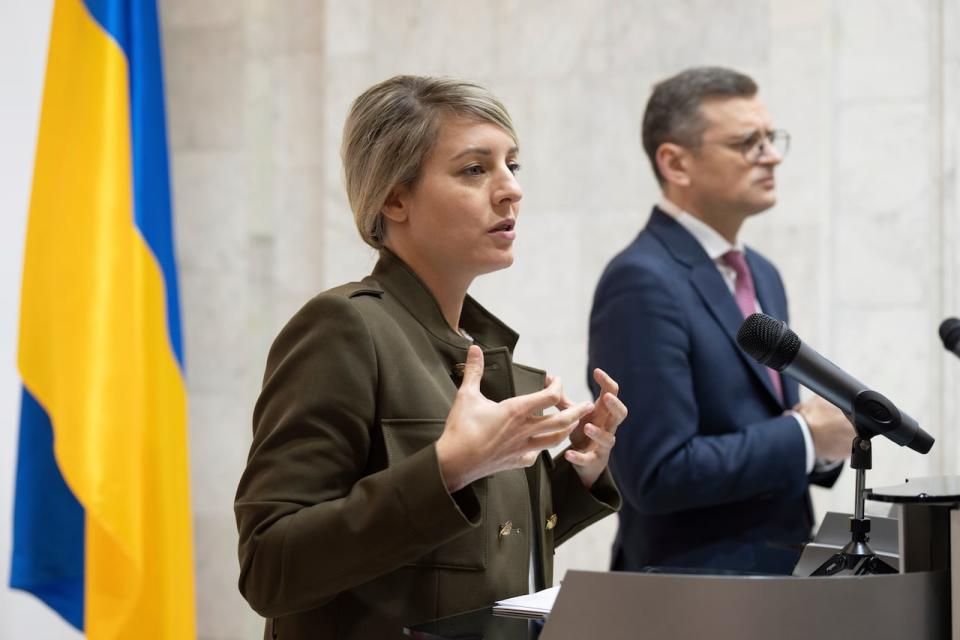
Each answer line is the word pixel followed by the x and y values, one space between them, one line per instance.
pixel 768 341
pixel 950 333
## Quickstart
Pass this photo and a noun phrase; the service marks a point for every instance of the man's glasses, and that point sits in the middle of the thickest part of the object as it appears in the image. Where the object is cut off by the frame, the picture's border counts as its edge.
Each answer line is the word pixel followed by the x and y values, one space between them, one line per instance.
pixel 758 145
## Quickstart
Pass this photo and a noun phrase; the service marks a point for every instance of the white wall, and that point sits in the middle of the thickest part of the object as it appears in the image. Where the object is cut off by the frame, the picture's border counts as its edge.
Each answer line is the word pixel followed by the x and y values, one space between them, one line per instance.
pixel 257 94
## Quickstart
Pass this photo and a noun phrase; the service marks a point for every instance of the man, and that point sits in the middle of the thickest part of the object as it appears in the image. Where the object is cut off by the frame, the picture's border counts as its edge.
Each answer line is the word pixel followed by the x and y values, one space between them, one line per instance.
pixel 717 457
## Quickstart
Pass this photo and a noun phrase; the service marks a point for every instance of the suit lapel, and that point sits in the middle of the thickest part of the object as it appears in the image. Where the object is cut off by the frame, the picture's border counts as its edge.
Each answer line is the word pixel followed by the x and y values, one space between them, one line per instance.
pixel 709 284
pixel 765 287
pixel 769 296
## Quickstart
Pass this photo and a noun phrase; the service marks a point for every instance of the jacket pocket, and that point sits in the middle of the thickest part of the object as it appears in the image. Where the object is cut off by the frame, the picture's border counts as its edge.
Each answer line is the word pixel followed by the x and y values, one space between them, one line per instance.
pixel 528 379
pixel 404 437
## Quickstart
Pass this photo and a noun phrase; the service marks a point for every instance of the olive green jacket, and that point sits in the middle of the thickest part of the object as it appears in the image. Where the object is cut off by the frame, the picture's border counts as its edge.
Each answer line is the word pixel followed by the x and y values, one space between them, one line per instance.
pixel 346 528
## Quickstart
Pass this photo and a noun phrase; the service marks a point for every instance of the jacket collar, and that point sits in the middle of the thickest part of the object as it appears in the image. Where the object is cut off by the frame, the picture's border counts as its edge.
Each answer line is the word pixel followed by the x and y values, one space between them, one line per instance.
pixel 400 281
pixel 709 284
pixel 714 244
pixel 688 250
pixel 678 241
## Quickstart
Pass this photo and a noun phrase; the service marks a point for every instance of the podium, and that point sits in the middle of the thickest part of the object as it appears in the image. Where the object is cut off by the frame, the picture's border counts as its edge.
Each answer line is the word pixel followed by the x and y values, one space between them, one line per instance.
pixel 641 606
pixel 915 603
pixel 929 528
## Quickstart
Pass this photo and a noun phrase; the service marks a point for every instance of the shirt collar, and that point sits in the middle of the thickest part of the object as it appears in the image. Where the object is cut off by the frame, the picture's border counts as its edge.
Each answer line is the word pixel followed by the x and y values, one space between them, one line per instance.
pixel 714 244
pixel 400 281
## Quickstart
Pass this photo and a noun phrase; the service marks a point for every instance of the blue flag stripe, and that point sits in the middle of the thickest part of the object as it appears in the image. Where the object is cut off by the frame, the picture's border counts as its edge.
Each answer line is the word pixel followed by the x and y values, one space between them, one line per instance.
pixel 48 529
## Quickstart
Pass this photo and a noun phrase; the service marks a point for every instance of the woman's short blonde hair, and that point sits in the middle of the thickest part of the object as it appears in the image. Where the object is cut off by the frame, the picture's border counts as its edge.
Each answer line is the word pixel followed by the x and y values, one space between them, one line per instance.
pixel 392 127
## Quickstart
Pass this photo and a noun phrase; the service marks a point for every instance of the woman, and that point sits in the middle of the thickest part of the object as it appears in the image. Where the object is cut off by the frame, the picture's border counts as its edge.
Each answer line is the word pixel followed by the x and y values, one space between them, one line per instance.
pixel 397 471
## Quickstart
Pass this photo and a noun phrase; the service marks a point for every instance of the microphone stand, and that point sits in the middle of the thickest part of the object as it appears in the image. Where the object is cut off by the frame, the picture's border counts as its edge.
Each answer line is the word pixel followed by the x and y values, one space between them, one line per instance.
pixel 870 416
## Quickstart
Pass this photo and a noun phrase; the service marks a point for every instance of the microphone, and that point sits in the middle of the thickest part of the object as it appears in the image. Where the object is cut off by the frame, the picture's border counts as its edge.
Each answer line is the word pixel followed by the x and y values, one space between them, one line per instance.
pixel 770 342
pixel 950 334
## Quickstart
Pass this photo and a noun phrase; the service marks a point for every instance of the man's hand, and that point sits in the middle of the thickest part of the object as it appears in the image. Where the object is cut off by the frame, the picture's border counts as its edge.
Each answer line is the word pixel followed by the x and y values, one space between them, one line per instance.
pixel 832 433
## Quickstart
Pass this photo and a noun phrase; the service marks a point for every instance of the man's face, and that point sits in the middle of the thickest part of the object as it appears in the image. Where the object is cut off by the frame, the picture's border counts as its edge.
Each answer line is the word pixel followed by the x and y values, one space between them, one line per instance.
pixel 723 179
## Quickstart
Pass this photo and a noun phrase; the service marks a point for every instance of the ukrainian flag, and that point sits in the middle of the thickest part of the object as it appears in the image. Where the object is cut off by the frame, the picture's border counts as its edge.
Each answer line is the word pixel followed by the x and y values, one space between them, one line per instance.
pixel 102 516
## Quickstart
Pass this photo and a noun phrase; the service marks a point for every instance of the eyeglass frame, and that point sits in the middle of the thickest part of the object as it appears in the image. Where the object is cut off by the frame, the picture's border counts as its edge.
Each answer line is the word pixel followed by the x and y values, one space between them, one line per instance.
pixel 763 142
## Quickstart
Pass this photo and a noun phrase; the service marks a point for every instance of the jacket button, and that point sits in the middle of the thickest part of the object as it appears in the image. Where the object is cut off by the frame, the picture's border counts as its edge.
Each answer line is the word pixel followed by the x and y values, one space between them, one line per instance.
pixel 459 368
pixel 551 522
pixel 505 529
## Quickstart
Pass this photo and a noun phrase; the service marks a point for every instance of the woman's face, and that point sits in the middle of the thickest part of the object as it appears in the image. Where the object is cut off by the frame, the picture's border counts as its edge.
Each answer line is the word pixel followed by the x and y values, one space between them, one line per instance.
pixel 458 218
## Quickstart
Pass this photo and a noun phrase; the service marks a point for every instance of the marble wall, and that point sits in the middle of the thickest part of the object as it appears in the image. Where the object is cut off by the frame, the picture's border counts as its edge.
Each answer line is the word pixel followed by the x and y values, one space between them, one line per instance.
pixel 864 233
pixel 245 98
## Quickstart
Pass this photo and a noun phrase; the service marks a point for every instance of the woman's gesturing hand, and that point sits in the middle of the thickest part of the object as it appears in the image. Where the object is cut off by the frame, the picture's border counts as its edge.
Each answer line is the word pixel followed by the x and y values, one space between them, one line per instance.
pixel 482 437
pixel 593 439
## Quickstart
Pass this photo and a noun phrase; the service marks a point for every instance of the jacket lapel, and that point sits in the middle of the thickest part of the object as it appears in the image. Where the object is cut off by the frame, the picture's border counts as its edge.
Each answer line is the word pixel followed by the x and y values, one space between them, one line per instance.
pixel 709 284
pixel 765 290
pixel 495 338
pixel 770 301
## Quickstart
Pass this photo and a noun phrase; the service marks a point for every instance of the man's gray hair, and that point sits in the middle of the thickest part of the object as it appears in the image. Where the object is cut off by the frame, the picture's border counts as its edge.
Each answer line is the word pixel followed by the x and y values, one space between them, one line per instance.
pixel 673 111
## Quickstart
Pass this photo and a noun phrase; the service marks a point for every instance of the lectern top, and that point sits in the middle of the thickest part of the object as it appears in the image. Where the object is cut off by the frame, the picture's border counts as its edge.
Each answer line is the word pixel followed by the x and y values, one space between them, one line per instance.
pixel 935 490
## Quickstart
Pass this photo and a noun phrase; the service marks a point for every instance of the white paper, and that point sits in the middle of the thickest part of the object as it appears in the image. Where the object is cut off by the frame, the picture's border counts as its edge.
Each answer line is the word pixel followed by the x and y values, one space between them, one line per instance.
pixel 534 605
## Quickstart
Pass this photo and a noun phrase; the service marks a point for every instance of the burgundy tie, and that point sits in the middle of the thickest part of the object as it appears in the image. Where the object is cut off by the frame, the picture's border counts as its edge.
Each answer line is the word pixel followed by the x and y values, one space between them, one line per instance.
pixel 746 297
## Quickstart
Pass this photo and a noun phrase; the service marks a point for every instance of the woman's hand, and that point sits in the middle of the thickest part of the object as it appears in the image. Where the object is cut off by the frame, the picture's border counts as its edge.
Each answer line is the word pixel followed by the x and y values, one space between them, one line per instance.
pixel 482 437
pixel 593 439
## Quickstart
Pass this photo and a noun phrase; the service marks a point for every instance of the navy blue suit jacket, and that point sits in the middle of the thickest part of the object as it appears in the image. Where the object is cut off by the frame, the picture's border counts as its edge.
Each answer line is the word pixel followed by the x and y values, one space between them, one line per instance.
pixel 713 475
